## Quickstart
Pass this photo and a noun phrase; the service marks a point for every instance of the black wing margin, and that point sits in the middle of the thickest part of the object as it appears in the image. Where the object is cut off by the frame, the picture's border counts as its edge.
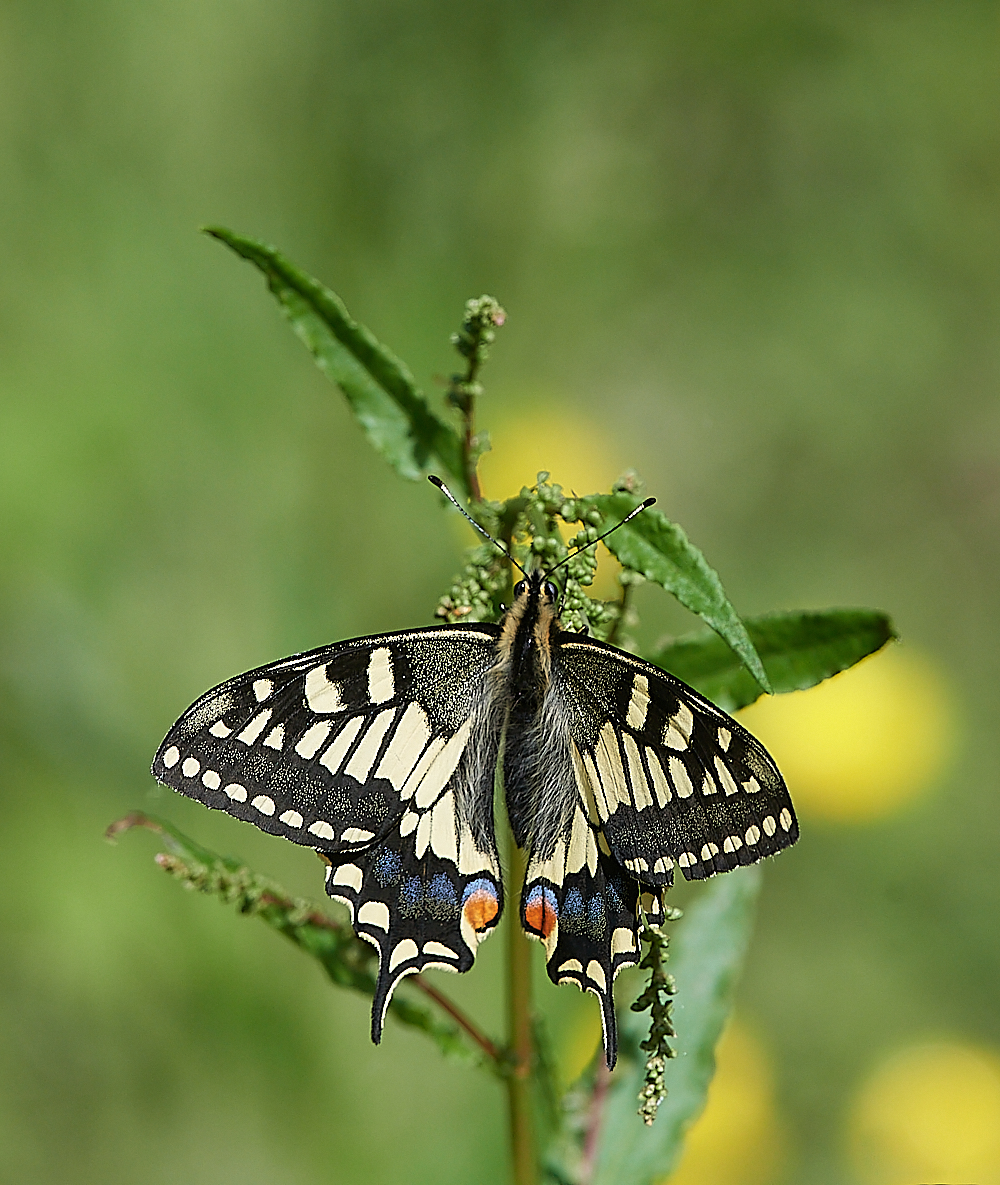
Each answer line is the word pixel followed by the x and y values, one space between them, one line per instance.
pixel 675 780
pixel 380 754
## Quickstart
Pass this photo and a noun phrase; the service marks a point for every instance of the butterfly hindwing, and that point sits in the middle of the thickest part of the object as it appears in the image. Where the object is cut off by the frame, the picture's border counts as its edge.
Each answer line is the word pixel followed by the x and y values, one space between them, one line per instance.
pixel 376 752
pixel 675 781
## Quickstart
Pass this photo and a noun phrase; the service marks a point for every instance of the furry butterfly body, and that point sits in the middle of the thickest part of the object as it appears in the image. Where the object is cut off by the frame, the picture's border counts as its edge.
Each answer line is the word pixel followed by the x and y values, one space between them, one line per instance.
pixel 381 754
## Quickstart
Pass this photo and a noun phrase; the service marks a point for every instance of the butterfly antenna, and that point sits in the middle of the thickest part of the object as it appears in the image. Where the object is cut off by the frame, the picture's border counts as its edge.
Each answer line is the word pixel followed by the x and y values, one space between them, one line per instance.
pixel 482 531
pixel 583 547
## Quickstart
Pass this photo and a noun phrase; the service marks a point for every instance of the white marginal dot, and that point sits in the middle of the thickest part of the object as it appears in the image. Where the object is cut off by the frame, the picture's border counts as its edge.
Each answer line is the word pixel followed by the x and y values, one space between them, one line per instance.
pixel 732 843
pixel 276 737
pixel 725 736
pixel 687 859
pixel 572 965
pixel 237 792
pixel 171 756
pixel 357 835
pixel 769 825
pixel 322 695
pixel 322 829
pixel 381 684
pixel 291 819
pixel 753 834
pixel 262 688
pixel 638 705
pixel 663 865
pixel 312 739
pixel 785 819
pixel 405 950
pixel 595 972
pixel 212 780
pixel 438 948
pixel 221 730
pixel 680 777
pixel 255 727
pixel 708 851
pixel 349 874
pixel 374 913
pixel 190 767
pixel 264 804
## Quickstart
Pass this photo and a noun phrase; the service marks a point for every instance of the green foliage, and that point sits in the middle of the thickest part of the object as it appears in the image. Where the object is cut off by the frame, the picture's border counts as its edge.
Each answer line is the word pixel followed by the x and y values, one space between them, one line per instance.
pixel 382 393
pixel 591 1133
pixel 657 548
pixel 798 650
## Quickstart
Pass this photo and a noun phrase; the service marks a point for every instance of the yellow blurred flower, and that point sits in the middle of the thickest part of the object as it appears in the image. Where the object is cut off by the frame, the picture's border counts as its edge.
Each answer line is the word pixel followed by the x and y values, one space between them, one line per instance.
pixel 738 1139
pixel 930 1113
pixel 863 743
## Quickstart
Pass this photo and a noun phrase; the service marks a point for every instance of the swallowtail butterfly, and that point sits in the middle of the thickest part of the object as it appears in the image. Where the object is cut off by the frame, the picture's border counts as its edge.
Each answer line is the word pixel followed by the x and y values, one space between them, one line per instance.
pixel 380 753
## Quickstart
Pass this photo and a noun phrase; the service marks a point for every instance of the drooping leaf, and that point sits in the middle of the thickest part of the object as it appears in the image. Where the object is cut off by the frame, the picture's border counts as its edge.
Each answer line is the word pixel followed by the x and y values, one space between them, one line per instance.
pixel 659 549
pixel 798 650
pixel 706 955
pixel 346 959
pixel 382 393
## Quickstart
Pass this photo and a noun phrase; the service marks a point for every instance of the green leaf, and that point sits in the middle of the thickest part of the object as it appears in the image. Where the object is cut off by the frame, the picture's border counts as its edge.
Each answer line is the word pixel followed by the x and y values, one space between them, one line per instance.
pixel 706 956
pixel 347 960
pixel 382 393
pixel 798 650
pixel 659 549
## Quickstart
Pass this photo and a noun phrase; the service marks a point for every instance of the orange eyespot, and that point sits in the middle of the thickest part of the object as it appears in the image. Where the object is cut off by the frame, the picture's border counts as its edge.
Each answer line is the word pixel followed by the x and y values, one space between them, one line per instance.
pixel 480 904
pixel 541 911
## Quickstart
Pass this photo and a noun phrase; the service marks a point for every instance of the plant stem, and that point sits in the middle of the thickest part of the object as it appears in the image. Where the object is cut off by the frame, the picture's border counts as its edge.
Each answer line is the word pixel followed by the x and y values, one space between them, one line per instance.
pixel 442 1001
pixel 519 1087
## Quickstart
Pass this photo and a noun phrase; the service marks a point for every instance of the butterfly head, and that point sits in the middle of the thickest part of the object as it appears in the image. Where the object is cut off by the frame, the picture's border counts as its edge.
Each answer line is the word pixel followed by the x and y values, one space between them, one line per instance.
pixel 536 588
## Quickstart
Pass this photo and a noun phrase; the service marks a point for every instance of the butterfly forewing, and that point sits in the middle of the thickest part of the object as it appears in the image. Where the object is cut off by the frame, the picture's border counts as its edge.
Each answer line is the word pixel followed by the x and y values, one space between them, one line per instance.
pixel 676 782
pixel 376 753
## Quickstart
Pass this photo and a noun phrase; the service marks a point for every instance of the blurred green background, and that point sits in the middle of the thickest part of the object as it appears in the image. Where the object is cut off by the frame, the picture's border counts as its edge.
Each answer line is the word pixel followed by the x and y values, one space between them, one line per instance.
pixel 752 249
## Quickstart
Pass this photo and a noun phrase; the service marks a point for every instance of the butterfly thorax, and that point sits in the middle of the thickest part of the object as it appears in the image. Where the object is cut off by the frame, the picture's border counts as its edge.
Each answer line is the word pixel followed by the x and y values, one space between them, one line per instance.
pixel 534 772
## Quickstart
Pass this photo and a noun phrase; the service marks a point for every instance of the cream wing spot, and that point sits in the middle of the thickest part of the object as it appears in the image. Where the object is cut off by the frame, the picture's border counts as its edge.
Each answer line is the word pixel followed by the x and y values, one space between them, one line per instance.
pixel 276 737
pixel 357 835
pixel 374 913
pixel 444 839
pixel 423 765
pixel 408 823
pixel 687 859
pixel 732 843
pixel 437 775
pixel 255 727
pixel 312 740
pixel 677 734
pixel 785 819
pixel 752 835
pixel 708 786
pixel 439 949
pixel 322 696
pixel 423 835
pixel 322 829
pixel 237 792
pixel 661 787
pixel 263 804
pixel 404 951
pixel 190 767
pixel 333 758
pixel 725 777
pixel 609 765
pixel 291 819
pixel 221 730
pixel 638 704
pixel 572 965
pixel 680 778
pixel 636 774
pixel 360 765
pixel 595 973
pixel 708 851
pixel 349 875
pixel 381 684
pixel 725 736
pixel 622 941
pixel 752 787
pixel 212 781
pixel 408 741
pixel 769 825
pixel 262 688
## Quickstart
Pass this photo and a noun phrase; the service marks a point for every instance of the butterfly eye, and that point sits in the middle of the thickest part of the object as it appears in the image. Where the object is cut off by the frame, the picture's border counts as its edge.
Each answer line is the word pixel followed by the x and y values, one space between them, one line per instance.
pixel 520 588
pixel 550 590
